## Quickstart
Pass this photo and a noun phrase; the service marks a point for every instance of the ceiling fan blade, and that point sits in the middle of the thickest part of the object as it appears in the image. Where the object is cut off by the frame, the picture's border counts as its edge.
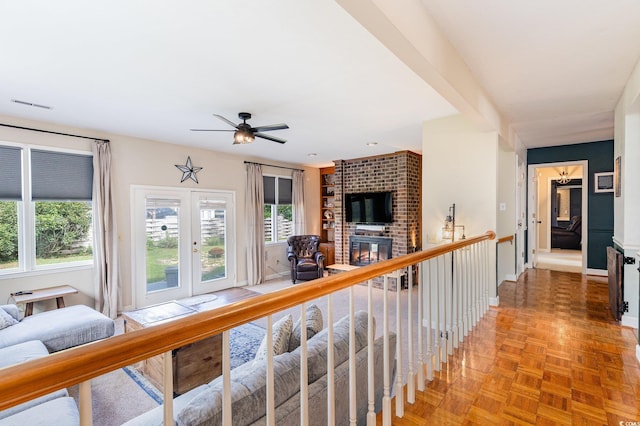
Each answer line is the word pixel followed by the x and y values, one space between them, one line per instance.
pixel 271 138
pixel 230 123
pixel 281 126
pixel 210 130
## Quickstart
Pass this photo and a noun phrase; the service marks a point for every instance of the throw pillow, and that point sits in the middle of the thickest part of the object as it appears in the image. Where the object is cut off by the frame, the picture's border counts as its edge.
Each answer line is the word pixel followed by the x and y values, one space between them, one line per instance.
pixel 281 332
pixel 314 325
pixel 7 320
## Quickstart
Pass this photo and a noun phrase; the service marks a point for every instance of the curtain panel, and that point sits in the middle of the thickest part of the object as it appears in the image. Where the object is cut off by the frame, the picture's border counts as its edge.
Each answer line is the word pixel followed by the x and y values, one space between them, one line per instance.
pixel 255 225
pixel 298 202
pixel 105 233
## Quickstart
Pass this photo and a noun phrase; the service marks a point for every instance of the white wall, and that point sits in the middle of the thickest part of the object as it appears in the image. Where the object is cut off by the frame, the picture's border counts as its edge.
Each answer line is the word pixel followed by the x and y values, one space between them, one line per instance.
pixel 627 206
pixel 145 162
pixel 506 212
pixel 459 165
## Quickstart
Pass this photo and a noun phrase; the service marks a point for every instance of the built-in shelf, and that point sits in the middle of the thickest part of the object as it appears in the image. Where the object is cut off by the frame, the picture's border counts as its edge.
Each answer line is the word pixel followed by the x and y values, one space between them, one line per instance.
pixel 327 204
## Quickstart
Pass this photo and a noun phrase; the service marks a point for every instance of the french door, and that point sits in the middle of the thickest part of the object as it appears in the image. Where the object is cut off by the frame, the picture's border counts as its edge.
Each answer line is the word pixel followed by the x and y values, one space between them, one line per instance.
pixel 184 243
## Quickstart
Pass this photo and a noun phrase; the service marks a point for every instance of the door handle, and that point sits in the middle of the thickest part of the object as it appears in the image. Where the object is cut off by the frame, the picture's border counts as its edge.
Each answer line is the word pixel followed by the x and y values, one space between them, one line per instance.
pixel 539 221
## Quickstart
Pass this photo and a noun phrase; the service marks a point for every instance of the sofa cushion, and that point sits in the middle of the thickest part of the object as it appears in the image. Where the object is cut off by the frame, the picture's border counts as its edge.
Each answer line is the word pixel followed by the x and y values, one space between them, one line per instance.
pixel 281 332
pixel 6 320
pixel 60 328
pixel 12 310
pixel 314 325
pixel 59 412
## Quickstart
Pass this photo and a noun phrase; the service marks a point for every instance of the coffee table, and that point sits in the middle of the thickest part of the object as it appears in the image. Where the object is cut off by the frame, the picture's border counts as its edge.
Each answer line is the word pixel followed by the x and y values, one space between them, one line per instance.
pixel 194 364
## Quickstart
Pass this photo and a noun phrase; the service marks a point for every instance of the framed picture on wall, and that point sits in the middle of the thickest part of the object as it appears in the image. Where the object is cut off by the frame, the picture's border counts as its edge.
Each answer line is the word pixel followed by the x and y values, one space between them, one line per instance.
pixel 603 182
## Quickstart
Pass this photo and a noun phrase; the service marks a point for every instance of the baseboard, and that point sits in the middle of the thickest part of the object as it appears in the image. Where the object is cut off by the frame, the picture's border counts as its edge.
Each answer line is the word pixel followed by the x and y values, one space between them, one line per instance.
pixel 597 272
pixel 494 301
pixel 275 276
pixel 510 277
pixel 629 321
pixel 638 352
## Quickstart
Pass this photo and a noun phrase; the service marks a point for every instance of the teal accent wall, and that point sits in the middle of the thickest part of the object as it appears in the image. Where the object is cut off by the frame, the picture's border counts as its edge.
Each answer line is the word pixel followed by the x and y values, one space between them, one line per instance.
pixel 600 205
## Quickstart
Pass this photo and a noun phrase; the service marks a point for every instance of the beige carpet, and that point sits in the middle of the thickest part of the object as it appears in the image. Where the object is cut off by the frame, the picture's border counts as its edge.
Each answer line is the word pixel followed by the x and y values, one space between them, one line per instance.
pixel 560 260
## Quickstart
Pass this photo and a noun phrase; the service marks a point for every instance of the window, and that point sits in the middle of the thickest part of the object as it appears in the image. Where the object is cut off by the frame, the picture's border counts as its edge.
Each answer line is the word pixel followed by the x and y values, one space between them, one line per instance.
pixel 278 208
pixel 47 223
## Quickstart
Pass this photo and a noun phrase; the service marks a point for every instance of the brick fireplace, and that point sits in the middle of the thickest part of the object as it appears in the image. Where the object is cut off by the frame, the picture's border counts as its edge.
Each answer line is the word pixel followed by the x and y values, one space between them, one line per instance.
pixel 400 173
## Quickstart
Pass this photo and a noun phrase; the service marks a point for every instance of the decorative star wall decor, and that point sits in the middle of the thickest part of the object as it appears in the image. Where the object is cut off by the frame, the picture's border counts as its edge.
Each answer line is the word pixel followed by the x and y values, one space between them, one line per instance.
pixel 188 171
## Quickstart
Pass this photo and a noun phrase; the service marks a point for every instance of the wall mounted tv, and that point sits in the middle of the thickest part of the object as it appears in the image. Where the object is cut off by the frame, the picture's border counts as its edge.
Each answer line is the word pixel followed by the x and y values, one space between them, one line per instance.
pixel 369 207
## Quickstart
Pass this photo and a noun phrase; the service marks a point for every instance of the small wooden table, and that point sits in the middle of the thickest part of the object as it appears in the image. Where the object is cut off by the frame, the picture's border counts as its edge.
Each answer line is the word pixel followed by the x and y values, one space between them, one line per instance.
pixel 194 364
pixel 340 267
pixel 31 296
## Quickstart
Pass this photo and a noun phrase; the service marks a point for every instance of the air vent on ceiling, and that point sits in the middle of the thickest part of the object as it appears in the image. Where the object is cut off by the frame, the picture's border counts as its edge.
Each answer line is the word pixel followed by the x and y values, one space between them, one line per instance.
pixel 17 101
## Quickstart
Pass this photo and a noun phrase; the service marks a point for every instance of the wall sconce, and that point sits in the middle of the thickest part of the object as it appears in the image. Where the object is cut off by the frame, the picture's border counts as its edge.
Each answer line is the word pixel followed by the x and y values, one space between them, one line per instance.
pixel 449 230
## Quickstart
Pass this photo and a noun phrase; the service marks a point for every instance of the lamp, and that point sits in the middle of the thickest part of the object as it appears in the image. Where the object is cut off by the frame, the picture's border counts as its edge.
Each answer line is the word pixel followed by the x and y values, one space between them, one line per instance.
pixel 243 136
pixel 449 228
pixel 564 177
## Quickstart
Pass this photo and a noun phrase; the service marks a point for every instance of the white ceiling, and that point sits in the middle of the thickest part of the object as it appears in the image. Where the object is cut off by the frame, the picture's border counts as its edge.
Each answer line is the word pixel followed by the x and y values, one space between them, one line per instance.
pixel 155 69
pixel 554 68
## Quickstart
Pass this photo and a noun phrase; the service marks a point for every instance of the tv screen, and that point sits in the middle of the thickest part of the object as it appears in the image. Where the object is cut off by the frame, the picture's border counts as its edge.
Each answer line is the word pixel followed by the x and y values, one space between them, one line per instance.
pixel 369 207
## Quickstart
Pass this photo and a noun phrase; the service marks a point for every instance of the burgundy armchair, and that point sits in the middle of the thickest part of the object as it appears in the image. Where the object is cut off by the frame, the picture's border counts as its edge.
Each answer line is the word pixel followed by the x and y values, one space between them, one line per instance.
pixel 307 263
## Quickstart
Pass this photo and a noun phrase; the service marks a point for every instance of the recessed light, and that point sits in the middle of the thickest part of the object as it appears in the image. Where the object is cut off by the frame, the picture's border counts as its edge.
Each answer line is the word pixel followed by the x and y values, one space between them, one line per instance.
pixel 372 144
pixel 312 154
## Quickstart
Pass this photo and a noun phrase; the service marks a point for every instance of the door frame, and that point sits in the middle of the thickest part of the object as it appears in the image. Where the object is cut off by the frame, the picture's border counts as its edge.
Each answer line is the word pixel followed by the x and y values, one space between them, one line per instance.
pixel 533 205
pixel 186 195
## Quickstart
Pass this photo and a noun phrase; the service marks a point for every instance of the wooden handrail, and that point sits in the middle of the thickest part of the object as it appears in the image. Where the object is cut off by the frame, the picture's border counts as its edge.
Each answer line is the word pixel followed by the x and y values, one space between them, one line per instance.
pixel 504 239
pixel 38 377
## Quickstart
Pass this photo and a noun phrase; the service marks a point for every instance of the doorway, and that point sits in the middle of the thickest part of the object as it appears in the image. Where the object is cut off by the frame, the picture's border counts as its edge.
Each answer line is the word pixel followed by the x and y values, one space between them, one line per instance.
pixel 557 216
pixel 183 243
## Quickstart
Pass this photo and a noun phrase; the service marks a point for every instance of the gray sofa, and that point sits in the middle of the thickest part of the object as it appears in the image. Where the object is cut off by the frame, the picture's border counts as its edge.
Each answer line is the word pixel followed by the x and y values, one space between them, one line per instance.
pixel 36 336
pixel 202 405
pixel 54 407
pixel 58 329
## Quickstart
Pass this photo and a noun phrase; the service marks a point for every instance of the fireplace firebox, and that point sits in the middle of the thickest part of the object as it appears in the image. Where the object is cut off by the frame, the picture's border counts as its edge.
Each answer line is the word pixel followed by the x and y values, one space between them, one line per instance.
pixel 364 250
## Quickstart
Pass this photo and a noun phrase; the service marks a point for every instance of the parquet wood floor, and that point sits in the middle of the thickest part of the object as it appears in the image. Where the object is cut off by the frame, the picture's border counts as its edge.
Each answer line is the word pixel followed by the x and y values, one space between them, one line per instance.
pixel 550 354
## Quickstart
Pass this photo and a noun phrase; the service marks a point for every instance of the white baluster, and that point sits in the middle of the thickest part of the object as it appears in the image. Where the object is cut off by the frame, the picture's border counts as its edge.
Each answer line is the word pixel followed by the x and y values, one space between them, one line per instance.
pixel 167 386
pixel 428 282
pixel 449 322
pixel 86 411
pixel 436 337
pixel 454 299
pixel 487 276
pixel 411 375
pixel 331 404
pixel 352 360
pixel 371 390
pixel 467 293
pixel 304 372
pixel 471 291
pixel 270 392
pixel 399 376
pixel 386 386
pixel 420 327
pixel 442 285
pixel 479 278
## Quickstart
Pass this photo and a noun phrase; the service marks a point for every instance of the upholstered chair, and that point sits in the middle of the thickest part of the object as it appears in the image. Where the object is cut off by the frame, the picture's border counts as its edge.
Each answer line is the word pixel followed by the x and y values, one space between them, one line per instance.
pixel 307 263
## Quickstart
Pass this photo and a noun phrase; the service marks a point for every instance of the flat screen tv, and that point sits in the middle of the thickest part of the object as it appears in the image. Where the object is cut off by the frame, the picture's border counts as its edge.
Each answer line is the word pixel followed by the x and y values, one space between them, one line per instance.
pixel 369 207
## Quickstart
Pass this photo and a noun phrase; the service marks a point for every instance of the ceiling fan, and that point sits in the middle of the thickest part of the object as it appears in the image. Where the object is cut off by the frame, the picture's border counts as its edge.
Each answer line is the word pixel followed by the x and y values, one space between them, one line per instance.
pixel 244 133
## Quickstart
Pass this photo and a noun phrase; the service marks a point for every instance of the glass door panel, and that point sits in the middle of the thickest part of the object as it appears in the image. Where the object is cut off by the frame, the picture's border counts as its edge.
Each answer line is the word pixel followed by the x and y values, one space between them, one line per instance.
pixel 213 250
pixel 162 233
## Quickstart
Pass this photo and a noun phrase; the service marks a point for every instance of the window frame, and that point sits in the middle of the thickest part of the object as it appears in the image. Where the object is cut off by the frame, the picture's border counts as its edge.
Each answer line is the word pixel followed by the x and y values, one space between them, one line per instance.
pixel 26 212
pixel 274 210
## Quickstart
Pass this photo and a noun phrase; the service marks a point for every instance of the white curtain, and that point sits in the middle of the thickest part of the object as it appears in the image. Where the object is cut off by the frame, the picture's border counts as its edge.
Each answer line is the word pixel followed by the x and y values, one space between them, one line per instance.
pixel 298 202
pixel 105 234
pixel 255 224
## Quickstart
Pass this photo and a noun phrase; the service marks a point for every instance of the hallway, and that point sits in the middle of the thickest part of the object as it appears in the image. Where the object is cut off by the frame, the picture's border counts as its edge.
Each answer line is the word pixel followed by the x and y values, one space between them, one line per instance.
pixel 550 354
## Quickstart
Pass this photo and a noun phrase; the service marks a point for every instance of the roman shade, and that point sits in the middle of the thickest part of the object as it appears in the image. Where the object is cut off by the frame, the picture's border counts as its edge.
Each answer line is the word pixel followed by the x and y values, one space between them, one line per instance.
pixel 11 173
pixel 61 176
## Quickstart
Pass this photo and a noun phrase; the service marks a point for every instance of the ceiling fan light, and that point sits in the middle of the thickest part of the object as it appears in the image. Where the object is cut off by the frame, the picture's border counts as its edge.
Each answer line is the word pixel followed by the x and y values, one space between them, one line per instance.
pixel 242 137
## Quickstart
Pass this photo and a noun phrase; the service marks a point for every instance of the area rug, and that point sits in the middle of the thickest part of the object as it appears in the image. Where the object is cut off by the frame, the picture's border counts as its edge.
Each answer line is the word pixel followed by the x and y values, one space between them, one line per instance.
pixel 123 394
